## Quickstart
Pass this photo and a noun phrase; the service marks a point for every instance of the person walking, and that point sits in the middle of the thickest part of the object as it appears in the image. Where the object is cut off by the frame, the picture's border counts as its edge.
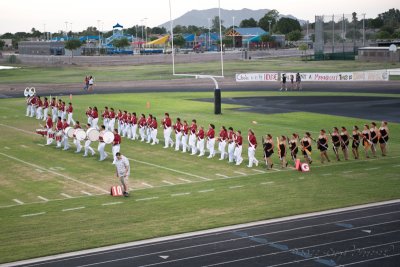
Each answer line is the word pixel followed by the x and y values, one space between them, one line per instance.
pixel 123 170
pixel 116 145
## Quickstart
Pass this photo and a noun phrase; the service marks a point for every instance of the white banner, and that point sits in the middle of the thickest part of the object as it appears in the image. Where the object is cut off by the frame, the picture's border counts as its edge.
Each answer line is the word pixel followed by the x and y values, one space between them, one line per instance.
pixel 257 77
pixel 322 77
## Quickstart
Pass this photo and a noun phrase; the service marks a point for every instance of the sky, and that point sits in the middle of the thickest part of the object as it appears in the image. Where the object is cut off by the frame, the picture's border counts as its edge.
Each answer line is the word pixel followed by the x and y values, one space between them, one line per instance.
pixel 51 15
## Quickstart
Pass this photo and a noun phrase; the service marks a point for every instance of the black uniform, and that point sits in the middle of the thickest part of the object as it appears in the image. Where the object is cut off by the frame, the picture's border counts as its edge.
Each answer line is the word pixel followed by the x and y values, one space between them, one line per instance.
pixel 293 148
pixel 335 140
pixel 384 137
pixel 374 138
pixel 356 141
pixel 345 140
pixel 283 150
pixel 365 139
pixel 267 151
pixel 307 145
pixel 322 144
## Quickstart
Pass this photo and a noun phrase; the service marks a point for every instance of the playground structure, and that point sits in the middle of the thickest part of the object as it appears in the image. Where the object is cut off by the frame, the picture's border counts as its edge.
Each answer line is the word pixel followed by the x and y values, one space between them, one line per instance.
pixel 118 33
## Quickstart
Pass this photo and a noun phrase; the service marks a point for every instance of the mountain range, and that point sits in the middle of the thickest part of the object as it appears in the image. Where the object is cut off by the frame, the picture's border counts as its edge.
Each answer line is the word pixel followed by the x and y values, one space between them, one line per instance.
pixel 200 18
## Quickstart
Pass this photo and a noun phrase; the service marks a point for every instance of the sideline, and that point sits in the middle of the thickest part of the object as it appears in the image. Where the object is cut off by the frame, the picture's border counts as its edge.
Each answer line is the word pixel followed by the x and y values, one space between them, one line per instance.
pixel 194 234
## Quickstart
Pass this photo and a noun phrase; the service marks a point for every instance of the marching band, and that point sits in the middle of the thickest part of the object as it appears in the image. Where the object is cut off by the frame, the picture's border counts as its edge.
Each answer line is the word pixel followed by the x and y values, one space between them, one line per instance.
pixel 193 138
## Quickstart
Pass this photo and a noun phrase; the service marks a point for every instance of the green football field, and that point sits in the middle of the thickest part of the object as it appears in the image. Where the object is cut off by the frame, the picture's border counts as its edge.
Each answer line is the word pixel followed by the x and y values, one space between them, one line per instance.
pixel 54 201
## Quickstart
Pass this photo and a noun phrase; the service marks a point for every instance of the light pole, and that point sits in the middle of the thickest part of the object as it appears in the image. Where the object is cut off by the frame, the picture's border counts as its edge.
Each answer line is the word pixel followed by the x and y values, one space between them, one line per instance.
pixel 209 34
pixel 66 29
pixel 44 31
pixel 145 28
pixel 141 22
pixel 269 29
pixel 98 27
pixel 70 27
pixel 233 33
pixel 363 29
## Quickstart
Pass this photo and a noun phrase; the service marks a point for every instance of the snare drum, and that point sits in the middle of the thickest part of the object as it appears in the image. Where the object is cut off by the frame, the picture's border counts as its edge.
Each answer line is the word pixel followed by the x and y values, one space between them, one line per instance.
pixel 59 135
pixel 107 137
pixel 79 134
pixel 93 134
pixel 42 132
pixel 69 131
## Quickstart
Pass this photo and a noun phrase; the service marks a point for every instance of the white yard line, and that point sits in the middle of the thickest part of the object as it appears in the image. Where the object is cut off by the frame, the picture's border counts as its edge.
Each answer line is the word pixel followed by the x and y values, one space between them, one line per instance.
pixel 266 183
pixel 65 195
pixel 24 146
pixel 221 175
pixel 53 172
pixel 39 170
pixel 111 203
pixel 184 180
pixel 241 173
pixel 207 191
pixel 168 182
pixel 18 201
pixel 180 194
pixel 72 209
pixel 87 193
pixel 148 185
pixel 43 198
pixel 371 169
pixel 6 147
pixel 327 174
pixel 33 214
pixel 254 170
pixel 395 166
pixel 146 199
pixel 237 186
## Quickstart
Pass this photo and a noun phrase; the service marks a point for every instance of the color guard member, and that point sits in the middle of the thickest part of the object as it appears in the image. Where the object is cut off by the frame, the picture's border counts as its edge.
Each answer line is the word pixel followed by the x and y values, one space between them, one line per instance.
pixel 252 148
pixel 268 146
pixel 336 142
pixel 374 135
pixel 322 145
pixel 282 151
pixel 306 147
pixel 384 137
pixel 293 146
pixel 356 141
pixel 366 139
pixel 345 140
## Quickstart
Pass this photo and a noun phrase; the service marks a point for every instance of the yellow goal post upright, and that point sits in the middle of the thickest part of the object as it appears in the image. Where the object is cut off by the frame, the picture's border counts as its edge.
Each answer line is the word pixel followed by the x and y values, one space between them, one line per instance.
pixel 217 89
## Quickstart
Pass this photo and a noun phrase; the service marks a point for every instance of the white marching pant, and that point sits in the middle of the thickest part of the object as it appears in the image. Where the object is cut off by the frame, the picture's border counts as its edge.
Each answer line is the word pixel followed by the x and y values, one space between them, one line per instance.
pixel 231 151
pixel 210 146
pixel 141 133
pixel 88 148
pixel 33 111
pixel 39 113
pixel 154 136
pixel 45 113
pixel 221 148
pixel 101 148
pixel 129 131
pixel 65 141
pixel 90 121
pixel 78 145
pixel 115 150
pixel 200 146
pixel 167 136
pixel 63 115
pixel 119 127
pixel 148 134
pixel 252 158
pixel 70 119
pixel 28 110
pixel 134 131
pixel 106 123
pixel 178 137
pixel 184 142
pixel 54 114
pixel 94 123
pixel 192 143
pixel 111 124
pixel 238 155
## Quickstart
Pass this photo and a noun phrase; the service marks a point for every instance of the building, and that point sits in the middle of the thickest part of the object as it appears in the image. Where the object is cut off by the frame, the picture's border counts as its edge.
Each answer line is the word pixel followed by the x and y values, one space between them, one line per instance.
pixel 244 36
pixel 7 43
pixel 378 54
pixel 41 48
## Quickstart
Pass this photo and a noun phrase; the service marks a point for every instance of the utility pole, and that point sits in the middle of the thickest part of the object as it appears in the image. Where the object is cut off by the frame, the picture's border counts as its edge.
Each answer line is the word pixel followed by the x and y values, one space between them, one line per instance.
pixel 209 34
pixel 363 29
pixel 98 27
pixel 233 33
pixel 66 29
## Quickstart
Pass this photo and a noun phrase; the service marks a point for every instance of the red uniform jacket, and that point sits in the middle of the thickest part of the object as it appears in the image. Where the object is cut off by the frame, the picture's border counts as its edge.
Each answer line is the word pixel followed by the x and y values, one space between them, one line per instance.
pixel 142 122
pixel 59 126
pixel 252 140
pixel 178 127
pixel 166 123
pixel 210 133
pixel 46 104
pixel 154 124
pixel 95 115
pixel 193 128
pixel 223 135
pixel 117 139
pixel 70 109
pixel 185 129
pixel 134 120
pixel 49 123
pixel 112 114
pixel 200 134
pixel 239 140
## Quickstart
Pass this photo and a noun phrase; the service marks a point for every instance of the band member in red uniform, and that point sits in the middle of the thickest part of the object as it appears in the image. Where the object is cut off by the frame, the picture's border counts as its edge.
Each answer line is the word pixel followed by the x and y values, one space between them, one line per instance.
pixel 384 137
pixel 178 133
pixel 134 126
pixel 95 118
pixel 200 141
pixel 192 137
pixel 167 131
pixel 33 106
pixel 59 108
pixel 53 105
pixel 49 127
pixel 59 132
pixel 211 140
pixel 231 145
pixel 223 138
pixel 238 148
pixel 124 123
pixel 102 145
pixel 65 135
pixel 129 125
pixel 39 109
pixel 154 131
pixel 89 115
pixel 45 108
pixel 148 128
pixel 119 121
pixel 64 111
pixel 185 136
pixel 106 116
pixel 142 127
pixel 28 106
pixel 70 113
pixel 111 123
pixel 116 144
pixel 252 148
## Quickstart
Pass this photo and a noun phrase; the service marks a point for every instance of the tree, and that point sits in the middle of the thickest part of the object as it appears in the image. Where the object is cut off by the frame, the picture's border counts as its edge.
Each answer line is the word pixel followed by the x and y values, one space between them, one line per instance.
pixel 266 38
pixel 178 29
pixel 303 47
pixel 382 35
pixel 248 23
pixel 158 30
pixel 375 23
pixel 271 17
pixel 286 25
pixel 2 44
pixel 121 43
pixel 72 45
pixel 215 24
pixel 35 33
pixel 179 41
pixel 294 35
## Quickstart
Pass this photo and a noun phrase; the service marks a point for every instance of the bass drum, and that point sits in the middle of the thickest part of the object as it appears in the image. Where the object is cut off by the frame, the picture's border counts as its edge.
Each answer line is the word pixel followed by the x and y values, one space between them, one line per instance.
pixel 69 131
pixel 93 134
pixel 108 137
pixel 80 134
